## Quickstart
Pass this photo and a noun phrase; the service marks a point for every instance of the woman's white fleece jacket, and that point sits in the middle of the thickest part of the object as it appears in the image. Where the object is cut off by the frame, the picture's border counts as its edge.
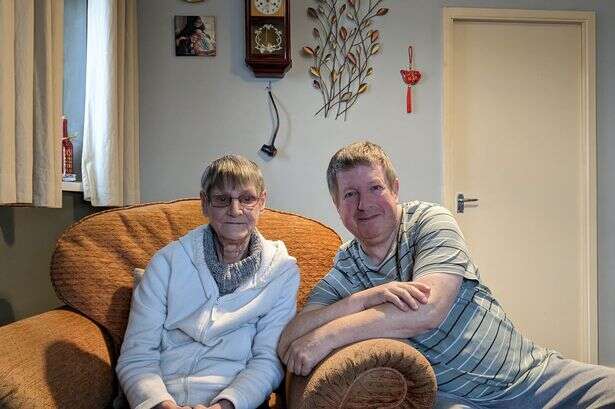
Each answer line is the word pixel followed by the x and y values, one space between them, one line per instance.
pixel 187 344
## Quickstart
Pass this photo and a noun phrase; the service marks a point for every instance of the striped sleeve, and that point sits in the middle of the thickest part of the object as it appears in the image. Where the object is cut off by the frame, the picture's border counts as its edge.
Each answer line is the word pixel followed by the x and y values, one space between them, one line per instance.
pixel 331 288
pixel 440 246
pixel 323 292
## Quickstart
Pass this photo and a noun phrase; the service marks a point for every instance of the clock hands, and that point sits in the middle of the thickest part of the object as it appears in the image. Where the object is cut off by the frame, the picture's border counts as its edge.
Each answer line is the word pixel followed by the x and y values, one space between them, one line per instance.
pixel 268 6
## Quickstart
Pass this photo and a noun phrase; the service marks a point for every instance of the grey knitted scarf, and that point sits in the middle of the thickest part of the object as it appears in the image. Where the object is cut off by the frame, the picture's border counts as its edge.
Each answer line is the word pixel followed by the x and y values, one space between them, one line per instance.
pixel 230 276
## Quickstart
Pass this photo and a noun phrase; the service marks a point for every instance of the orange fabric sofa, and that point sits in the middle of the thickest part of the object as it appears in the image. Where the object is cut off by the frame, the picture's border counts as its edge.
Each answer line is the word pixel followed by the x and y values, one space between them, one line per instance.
pixel 65 358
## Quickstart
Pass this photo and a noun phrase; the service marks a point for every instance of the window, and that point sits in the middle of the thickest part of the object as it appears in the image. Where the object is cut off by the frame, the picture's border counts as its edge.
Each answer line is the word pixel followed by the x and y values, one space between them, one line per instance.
pixel 75 18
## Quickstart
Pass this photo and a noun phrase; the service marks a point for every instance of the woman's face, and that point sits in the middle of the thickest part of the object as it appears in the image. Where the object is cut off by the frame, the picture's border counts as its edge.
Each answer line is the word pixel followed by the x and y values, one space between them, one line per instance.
pixel 198 23
pixel 233 212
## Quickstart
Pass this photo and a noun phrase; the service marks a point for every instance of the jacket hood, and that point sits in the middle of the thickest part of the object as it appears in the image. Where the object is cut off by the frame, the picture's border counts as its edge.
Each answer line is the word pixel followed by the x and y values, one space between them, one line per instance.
pixel 275 258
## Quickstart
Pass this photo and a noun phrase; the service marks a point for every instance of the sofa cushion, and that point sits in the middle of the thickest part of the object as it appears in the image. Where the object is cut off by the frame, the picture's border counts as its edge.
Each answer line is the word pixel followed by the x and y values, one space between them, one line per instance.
pixel 92 266
pixel 58 359
pixel 376 373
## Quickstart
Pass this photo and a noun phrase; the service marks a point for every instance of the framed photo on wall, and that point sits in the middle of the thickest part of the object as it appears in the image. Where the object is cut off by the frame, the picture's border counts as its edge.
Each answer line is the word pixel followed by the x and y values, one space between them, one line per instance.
pixel 195 36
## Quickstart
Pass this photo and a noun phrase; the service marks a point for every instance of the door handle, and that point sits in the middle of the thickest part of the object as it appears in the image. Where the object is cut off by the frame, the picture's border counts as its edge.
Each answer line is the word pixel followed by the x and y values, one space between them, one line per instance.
pixel 462 200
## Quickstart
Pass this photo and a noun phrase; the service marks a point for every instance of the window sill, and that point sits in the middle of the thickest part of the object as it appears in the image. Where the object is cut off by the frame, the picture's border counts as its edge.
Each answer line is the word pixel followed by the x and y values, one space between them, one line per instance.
pixel 72 187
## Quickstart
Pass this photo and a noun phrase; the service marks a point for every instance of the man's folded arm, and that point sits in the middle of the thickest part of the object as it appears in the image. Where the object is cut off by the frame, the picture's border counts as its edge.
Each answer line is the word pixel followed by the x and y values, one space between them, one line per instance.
pixel 382 321
pixel 387 321
pixel 314 316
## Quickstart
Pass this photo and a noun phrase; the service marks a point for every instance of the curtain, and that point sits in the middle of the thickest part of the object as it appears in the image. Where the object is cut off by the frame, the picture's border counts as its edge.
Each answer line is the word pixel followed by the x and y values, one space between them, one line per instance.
pixel 31 69
pixel 110 157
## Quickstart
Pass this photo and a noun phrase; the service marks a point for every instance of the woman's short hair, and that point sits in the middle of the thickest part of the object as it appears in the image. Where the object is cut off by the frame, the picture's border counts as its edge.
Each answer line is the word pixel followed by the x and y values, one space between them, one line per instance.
pixel 359 153
pixel 232 171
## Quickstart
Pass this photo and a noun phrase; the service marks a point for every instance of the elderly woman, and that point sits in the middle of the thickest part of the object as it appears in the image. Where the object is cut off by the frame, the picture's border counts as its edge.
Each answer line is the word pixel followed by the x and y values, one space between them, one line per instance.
pixel 205 320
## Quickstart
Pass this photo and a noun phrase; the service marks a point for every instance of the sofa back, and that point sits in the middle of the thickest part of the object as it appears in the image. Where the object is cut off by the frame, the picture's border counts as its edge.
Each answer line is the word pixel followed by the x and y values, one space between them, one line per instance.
pixel 92 265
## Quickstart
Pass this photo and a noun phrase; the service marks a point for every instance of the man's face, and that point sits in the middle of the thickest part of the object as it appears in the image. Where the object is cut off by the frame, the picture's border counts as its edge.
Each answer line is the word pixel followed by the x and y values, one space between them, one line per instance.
pixel 366 204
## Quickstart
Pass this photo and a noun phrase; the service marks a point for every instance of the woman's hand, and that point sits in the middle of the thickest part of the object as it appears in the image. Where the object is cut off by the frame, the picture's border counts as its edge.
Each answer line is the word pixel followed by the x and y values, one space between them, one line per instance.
pixel 403 295
pixel 168 404
pixel 221 404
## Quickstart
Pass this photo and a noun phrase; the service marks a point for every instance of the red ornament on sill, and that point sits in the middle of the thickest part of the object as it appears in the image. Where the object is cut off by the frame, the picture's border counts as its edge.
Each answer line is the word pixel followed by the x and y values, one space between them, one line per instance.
pixel 67 151
pixel 410 77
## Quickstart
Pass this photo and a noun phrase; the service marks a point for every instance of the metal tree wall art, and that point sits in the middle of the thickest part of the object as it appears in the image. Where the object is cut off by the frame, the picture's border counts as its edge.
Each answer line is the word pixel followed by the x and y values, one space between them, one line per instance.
pixel 345 42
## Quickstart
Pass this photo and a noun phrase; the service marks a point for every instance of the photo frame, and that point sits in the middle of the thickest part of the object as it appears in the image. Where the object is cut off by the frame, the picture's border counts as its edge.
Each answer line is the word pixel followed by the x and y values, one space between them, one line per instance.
pixel 195 36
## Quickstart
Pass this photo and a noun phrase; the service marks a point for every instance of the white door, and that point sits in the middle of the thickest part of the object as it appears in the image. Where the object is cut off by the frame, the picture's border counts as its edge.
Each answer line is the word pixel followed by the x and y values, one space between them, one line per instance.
pixel 516 139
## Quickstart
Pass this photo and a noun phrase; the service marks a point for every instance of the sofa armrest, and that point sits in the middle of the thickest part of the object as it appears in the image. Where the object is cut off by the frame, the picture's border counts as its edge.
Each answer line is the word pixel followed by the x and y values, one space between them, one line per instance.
pixel 369 374
pixel 59 359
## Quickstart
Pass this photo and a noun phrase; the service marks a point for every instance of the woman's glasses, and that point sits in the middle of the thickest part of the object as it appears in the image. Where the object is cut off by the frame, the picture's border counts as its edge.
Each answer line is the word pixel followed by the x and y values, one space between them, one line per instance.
pixel 246 200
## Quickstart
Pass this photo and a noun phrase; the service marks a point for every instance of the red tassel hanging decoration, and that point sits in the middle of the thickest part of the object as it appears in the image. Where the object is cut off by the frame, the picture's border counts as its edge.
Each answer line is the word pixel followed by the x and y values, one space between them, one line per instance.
pixel 410 77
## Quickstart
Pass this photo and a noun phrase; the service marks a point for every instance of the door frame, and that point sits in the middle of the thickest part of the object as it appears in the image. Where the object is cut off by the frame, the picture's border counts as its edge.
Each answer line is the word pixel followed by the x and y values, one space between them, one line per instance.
pixel 588 226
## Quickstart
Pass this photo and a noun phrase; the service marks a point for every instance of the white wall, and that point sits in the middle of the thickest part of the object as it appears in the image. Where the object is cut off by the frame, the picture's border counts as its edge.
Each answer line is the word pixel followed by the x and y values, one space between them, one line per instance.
pixel 196 109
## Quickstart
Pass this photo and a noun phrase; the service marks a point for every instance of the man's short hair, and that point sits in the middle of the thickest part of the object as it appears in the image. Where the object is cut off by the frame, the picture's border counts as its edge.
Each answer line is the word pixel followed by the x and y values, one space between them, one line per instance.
pixel 359 153
pixel 232 171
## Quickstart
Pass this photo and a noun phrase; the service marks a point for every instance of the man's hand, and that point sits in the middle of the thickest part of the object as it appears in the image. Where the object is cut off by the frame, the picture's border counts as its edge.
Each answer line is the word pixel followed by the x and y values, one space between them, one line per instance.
pixel 404 295
pixel 305 352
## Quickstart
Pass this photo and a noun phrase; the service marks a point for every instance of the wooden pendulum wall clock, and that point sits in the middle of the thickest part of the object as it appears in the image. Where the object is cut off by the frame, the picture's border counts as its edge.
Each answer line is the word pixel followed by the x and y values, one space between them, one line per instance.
pixel 268 37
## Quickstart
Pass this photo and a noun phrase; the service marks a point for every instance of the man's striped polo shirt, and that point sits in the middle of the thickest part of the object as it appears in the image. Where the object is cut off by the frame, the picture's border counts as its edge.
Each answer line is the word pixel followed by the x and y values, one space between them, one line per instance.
pixel 476 352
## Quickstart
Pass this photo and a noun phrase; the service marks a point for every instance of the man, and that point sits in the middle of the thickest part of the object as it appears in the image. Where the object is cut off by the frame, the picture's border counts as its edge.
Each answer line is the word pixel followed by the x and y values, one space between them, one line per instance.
pixel 408 274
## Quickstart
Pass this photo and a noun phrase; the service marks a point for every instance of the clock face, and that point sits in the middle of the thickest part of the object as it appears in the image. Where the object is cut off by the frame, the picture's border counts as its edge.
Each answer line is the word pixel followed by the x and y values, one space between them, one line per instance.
pixel 268 39
pixel 268 6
